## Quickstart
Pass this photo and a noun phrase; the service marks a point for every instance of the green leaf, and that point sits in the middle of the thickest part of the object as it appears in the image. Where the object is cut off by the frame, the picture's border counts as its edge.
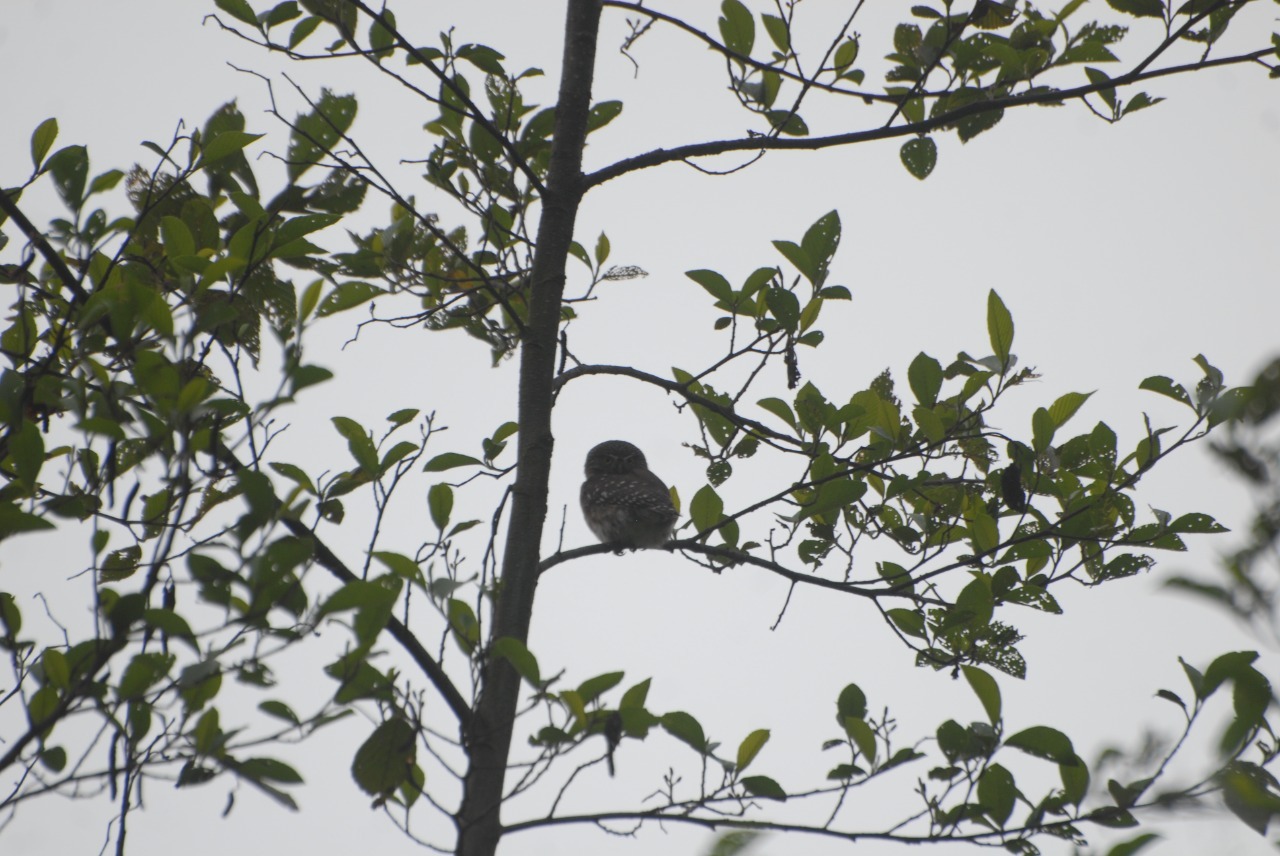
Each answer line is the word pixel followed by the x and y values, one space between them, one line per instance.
pixel 820 242
pixel 1133 845
pixel 347 295
pixel 280 710
pixel 778 34
pixel 1066 406
pixel 919 156
pixel 1197 523
pixel 440 503
pixel 764 787
pixel 359 443
pixel 70 169
pixel 1044 742
pixel 402 566
pixel 238 9
pixel 26 449
pixel 999 328
pixel 997 793
pixel 383 761
pixel 862 735
pixel 706 509
pixel 54 758
pixel 784 306
pixel 734 842
pixel 1088 51
pixel 925 376
pixel 120 564
pixel 42 140
pixel 845 55
pixel 685 728
pixel 852 702
pixel 1075 781
pixel 1098 77
pixel 224 145
pixel 635 696
pixel 986 689
pixel 514 652
pixel 449 460
pixel 171 624
pixel 1165 386
pixel 1226 666
pixel 908 621
pixel 57 671
pixel 737 27
pixel 715 284
pixel 1139 8
pixel 13 521
pixel 591 689
pixel 463 623
pixel 750 747
pixel 602 114
pixel 778 408
pixel 317 132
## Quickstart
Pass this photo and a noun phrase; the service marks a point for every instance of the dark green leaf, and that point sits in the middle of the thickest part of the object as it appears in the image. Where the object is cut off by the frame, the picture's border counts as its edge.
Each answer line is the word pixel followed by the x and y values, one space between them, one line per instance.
pixel 42 140
pixel 238 9
pixel 737 27
pixel 1133 845
pixel 765 787
pixel 383 761
pixel 347 295
pixel 919 156
pixel 590 689
pixel 987 691
pixel 925 377
pixel 1044 742
pixel 514 652
pixel 999 327
pixel 852 702
pixel 70 169
pixel 997 793
pixel 602 114
pixel 685 728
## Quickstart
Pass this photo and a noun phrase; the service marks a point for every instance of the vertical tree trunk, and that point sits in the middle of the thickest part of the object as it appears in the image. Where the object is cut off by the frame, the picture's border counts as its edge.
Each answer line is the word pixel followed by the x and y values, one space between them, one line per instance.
pixel 489 739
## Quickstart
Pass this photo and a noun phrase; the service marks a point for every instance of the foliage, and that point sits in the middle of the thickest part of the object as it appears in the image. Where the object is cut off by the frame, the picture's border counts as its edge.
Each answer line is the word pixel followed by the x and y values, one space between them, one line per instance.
pixel 154 352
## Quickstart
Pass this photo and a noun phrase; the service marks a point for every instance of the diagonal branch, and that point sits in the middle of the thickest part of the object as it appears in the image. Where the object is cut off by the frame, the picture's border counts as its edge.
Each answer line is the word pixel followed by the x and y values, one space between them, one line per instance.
pixel 658 157
pixel 10 207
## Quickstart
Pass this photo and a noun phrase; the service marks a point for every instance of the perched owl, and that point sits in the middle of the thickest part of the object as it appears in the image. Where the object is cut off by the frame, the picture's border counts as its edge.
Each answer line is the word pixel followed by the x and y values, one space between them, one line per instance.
pixel 625 505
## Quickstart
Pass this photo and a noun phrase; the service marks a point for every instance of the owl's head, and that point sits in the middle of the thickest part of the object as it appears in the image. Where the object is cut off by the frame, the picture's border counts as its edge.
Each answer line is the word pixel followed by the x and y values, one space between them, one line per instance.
pixel 615 456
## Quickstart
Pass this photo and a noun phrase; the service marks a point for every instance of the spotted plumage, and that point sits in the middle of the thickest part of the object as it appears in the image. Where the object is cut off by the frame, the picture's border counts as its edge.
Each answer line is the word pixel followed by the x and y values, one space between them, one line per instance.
pixel 625 505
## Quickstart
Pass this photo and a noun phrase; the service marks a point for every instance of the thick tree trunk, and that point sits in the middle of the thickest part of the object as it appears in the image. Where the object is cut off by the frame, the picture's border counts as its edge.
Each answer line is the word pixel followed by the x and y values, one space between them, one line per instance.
pixel 489 738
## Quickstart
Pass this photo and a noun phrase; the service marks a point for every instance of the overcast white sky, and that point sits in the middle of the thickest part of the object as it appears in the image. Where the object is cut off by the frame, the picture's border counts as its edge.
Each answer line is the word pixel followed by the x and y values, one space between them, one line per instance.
pixel 1122 252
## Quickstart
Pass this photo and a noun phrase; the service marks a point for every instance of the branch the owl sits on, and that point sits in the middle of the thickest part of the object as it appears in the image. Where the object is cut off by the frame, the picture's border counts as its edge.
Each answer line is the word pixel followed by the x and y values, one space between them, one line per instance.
pixel 626 506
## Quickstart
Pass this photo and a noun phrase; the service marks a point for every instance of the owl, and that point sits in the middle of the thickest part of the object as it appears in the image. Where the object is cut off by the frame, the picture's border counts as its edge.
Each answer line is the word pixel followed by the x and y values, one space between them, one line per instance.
pixel 625 505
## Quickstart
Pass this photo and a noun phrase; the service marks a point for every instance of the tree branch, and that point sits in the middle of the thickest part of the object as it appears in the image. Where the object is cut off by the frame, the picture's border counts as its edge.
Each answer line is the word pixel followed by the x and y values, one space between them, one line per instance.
pixel 657 157
pixel 681 390
pixel 10 207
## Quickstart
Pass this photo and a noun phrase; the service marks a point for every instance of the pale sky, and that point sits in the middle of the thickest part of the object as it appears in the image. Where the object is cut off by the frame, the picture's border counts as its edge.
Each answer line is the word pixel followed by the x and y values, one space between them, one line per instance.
pixel 1122 251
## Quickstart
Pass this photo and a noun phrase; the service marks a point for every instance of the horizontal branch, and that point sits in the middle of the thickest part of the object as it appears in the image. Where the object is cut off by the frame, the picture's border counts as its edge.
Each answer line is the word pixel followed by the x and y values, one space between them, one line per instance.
pixel 660 815
pixel 756 143
pixel 739 557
